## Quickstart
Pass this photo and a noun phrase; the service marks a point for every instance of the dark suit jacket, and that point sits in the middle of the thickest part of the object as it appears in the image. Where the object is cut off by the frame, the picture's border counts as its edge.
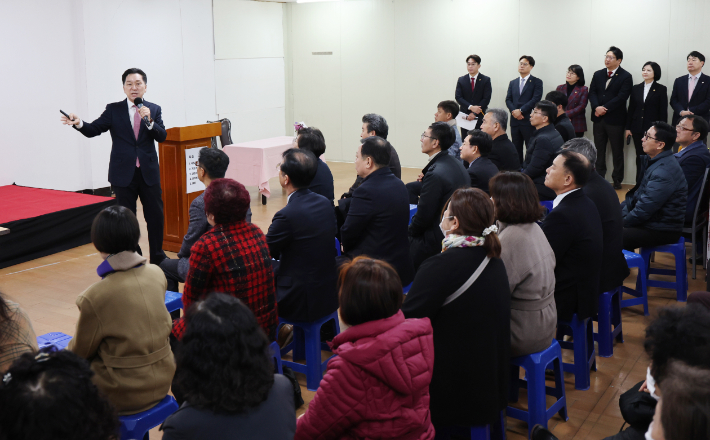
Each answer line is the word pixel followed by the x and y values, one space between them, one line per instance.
pixel 322 183
pixel 481 171
pixel 699 102
pixel 532 93
pixel 694 161
pixel 125 147
pixel 614 269
pixel 644 113
pixel 574 231
pixel 302 237
pixel 377 221
pixel 542 150
pixel 481 95
pixel 504 155
pixel 393 165
pixel 564 127
pixel 576 106
pixel 612 97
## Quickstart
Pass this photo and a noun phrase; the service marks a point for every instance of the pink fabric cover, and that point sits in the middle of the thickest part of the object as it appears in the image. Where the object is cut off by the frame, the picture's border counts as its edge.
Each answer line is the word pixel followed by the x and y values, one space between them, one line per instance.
pixel 378 385
pixel 254 163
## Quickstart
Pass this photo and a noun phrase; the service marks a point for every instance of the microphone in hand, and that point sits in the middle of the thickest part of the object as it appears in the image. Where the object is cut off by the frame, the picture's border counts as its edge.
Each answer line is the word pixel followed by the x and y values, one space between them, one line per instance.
pixel 139 103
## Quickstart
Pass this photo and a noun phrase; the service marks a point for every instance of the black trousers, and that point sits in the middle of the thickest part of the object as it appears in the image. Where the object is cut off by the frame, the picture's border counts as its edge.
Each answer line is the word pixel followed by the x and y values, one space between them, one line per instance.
pixel 170 269
pixel 520 134
pixel 414 189
pixel 579 134
pixel 639 152
pixel 152 201
pixel 613 134
pixel 635 238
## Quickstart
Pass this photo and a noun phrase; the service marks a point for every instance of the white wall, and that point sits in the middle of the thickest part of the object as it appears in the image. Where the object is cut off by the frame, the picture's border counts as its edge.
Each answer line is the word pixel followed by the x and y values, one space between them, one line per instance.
pixel 400 58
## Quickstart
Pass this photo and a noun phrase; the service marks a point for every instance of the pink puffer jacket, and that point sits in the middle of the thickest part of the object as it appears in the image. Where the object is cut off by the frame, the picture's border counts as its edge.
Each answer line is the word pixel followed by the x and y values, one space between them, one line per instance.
pixel 378 386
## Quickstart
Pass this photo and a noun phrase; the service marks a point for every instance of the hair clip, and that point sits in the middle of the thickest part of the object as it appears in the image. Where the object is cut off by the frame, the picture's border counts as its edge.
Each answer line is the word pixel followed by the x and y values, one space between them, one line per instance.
pixel 299 125
pixel 488 230
pixel 42 357
pixel 7 378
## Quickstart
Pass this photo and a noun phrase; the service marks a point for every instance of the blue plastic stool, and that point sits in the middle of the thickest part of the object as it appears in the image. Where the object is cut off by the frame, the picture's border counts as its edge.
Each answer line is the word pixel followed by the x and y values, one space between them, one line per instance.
pixel 547 204
pixel 412 211
pixel 276 356
pixel 495 431
pixel 307 344
pixel 535 365
pixel 609 314
pixel 58 339
pixel 681 270
pixel 641 291
pixel 583 346
pixel 136 426
pixel 406 288
pixel 173 301
pixel 337 247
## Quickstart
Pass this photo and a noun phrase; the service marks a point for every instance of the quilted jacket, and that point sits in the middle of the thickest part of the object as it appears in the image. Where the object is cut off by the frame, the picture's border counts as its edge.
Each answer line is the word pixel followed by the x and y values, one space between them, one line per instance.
pixel 377 386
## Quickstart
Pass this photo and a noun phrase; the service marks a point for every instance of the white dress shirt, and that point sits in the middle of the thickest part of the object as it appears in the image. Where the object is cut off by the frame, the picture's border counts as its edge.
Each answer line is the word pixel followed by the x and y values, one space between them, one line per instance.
pixel 525 80
pixel 559 197
pixel 646 88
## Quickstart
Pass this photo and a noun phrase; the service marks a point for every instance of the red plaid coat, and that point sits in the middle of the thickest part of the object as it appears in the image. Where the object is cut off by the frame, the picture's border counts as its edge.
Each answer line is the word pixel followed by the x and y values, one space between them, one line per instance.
pixel 577 106
pixel 232 258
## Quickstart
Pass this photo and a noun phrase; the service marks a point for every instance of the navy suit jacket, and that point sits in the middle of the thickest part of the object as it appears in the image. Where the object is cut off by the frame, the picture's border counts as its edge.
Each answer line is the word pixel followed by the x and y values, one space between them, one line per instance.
pixel 322 183
pixel 481 171
pixel 302 237
pixel 125 147
pixel 699 102
pixel 613 96
pixel 504 155
pixel 377 222
pixel 481 94
pixel 532 93
pixel 693 162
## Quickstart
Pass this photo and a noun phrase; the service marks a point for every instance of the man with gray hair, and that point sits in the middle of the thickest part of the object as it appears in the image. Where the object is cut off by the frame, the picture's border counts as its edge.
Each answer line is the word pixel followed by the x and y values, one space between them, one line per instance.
pixel 614 267
pixel 503 155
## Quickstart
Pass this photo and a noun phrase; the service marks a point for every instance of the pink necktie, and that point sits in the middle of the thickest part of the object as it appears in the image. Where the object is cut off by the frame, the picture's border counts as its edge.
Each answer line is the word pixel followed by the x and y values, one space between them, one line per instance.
pixel 691 87
pixel 136 128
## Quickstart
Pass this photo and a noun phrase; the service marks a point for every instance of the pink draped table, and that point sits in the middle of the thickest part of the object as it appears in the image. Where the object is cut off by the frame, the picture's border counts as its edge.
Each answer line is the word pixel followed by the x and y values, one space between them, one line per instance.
pixel 254 163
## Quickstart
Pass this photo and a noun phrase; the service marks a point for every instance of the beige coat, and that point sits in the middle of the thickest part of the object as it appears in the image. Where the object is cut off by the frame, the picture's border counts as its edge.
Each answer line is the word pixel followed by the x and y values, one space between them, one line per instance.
pixel 530 263
pixel 123 330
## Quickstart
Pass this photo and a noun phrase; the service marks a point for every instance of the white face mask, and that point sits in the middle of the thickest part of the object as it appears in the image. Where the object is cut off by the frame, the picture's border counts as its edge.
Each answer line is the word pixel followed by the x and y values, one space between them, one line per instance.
pixel 441 226
pixel 648 433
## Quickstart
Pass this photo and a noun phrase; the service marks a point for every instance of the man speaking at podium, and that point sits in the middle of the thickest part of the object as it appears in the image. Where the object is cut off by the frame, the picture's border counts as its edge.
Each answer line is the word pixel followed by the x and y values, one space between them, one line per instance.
pixel 133 169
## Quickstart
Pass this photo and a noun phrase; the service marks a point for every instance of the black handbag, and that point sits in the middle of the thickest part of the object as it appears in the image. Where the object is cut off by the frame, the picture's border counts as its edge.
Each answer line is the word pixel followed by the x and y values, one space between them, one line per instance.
pixel 637 407
pixel 291 376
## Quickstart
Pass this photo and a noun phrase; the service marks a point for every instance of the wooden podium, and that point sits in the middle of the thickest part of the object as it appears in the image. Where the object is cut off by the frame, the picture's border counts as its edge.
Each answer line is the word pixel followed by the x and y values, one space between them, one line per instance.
pixel 173 178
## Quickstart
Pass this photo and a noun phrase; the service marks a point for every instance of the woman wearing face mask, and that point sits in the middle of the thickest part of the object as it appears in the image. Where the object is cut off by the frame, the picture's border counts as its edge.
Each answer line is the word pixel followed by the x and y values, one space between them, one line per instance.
pixel 464 291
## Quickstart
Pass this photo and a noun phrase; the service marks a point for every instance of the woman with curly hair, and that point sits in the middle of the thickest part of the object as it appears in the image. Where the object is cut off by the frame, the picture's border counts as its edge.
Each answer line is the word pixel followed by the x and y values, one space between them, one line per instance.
pixel 16 333
pixel 226 376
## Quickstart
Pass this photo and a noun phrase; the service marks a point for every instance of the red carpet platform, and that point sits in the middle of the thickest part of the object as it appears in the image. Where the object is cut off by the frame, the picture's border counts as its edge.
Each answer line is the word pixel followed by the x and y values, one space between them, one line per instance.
pixel 44 221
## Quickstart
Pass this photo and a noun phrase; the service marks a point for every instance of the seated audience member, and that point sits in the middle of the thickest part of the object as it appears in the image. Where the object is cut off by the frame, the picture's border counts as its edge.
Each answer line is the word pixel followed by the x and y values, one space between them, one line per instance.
pixel 447 111
pixel 475 151
pixel 376 125
pixel 51 396
pixel 543 147
pixel 503 153
pixel 301 237
pixel 224 349
pixel 211 164
pixel 481 353
pixel 654 210
pixel 574 230
pixel 387 396
pixel 376 224
pixel 439 179
pixel 312 139
pixel 529 262
pixel 123 328
pixel 563 124
pixel 599 190
pixel 693 157
pixel 16 333
pixel 231 258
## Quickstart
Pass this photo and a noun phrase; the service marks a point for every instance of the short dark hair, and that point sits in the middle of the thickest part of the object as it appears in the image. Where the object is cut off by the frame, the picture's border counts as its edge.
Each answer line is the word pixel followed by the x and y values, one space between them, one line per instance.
pixel 578 166
pixel 700 125
pixel 530 59
pixel 515 198
pixel 376 148
pixel 617 52
pixel 115 229
pixel 376 123
pixel 482 140
pixel 474 210
pixel 51 396
pixel 685 411
pixel 548 109
pixel 557 98
pixel 656 69
pixel 214 162
pixel 131 71
pixel 697 55
pixel 369 290
pixel 311 139
pixel 449 107
pixel 300 166
pixel 442 132
pixel 475 58
pixel 227 200
pixel 222 336
pixel 577 70
pixel 665 133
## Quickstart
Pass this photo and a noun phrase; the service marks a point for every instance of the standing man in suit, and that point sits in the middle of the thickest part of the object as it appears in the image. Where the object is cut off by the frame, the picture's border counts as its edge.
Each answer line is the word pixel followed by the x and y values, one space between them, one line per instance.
pixel 610 88
pixel 473 92
pixel 302 237
pixel 523 94
pixel 475 150
pixel 376 224
pixel 133 170
pixel 574 231
pixel 691 92
pixel 693 157
pixel 544 144
pixel 503 153
pixel 563 124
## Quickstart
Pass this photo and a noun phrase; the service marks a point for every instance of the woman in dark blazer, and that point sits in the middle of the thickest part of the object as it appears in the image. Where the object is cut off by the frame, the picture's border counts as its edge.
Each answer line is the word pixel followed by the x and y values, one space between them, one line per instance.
pixel 311 139
pixel 648 103
pixel 577 98
pixel 471 331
